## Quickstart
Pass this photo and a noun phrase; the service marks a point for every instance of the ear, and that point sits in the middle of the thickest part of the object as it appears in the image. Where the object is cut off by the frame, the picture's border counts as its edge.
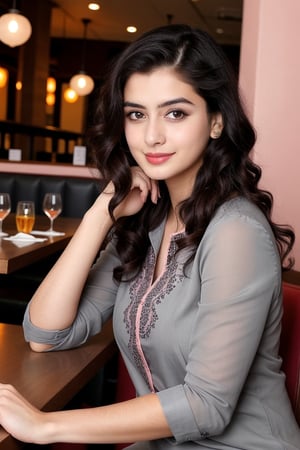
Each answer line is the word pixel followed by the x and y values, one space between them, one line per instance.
pixel 216 126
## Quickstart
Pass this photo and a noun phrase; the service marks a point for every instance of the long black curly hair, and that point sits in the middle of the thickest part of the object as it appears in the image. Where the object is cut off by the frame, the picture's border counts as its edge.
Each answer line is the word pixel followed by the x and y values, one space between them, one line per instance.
pixel 227 168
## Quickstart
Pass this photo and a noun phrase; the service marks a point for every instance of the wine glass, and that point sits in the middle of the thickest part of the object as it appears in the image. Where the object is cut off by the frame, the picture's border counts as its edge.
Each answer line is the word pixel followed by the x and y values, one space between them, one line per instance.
pixel 5 207
pixel 52 207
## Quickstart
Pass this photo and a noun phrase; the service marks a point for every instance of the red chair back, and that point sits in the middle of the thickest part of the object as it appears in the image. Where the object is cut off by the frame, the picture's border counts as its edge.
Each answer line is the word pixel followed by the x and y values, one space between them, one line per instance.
pixel 290 344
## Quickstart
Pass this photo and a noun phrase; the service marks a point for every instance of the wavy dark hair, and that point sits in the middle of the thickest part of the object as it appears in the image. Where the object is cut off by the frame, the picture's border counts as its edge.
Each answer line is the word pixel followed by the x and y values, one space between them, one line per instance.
pixel 227 168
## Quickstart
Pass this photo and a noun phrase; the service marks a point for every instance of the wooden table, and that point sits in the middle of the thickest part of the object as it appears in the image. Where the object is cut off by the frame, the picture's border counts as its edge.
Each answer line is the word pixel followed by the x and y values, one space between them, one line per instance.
pixel 13 258
pixel 49 380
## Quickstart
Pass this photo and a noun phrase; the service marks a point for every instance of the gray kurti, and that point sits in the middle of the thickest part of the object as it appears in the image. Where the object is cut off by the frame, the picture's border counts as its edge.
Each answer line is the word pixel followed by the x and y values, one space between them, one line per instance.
pixel 206 341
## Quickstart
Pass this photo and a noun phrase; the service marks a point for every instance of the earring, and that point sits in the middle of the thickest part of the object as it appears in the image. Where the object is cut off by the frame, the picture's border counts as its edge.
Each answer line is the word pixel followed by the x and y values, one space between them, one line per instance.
pixel 216 134
pixel 217 131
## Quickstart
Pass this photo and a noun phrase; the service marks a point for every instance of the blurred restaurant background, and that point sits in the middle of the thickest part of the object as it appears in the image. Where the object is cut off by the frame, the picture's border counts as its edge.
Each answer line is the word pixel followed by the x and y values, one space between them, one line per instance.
pixel 69 38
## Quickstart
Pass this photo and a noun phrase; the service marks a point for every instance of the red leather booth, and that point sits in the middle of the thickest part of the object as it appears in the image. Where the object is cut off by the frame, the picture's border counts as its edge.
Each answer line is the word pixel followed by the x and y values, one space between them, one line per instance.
pixel 290 344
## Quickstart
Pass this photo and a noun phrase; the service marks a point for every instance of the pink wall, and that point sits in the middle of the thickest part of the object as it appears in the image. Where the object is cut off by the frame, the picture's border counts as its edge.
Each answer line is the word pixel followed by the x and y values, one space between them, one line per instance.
pixel 270 84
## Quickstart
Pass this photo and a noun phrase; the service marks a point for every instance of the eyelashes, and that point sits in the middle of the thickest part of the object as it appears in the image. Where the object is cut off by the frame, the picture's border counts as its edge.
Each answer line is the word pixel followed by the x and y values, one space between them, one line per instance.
pixel 135 115
pixel 174 114
pixel 177 114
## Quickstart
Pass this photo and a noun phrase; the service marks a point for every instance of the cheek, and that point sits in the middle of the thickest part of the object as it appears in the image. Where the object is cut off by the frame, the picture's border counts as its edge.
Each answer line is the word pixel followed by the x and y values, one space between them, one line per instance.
pixel 130 135
pixel 189 138
pixel 199 134
pixel 133 144
pixel 194 132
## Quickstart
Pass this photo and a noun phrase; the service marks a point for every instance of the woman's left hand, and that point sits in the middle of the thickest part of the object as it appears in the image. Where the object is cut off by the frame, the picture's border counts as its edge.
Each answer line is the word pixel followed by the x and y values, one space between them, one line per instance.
pixel 18 417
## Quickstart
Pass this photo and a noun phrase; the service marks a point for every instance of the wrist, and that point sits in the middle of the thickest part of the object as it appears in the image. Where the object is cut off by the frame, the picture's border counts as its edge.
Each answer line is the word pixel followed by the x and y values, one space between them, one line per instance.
pixel 99 213
pixel 45 431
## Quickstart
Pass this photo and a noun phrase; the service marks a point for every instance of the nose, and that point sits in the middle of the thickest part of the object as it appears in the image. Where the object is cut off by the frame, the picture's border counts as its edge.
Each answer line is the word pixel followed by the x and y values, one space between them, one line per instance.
pixel 154 132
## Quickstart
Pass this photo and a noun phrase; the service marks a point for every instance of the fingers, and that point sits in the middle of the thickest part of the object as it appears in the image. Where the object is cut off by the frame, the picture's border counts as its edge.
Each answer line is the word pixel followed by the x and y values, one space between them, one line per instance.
pixel 7 389
pixel 155 194
pixel 140 181
pixel 9 393
pixel 18 417
pixel 145 184
pixel 141 187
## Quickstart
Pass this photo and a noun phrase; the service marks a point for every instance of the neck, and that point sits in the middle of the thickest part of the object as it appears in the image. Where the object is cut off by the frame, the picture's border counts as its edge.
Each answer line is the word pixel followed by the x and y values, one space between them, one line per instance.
pixel 174 222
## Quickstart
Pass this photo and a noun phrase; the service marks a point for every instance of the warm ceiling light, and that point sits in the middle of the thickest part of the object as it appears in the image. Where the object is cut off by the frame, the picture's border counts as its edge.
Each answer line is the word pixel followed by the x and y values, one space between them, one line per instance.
pixel 70 95
pixel 82 83
pixel 15 29
pixel 3 77
pixel 50 99
pixel 19 85
pixel 51 85
pixel 94 6
pixel 131 29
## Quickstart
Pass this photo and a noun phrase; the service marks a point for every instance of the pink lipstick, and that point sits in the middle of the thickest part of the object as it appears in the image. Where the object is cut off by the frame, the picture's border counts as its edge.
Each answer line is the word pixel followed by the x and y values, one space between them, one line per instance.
pixel 158 158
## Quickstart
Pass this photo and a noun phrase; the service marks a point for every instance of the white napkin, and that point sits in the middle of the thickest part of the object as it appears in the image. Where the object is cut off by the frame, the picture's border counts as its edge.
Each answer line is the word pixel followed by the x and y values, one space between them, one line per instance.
pixel 48 233
pixel 23 239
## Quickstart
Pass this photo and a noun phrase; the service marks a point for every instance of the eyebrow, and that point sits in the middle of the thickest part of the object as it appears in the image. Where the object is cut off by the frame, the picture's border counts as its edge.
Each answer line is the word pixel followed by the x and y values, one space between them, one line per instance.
pixel 161 105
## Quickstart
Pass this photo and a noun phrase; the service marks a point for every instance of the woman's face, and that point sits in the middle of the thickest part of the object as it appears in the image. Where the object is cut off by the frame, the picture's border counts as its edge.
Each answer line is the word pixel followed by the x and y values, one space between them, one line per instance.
pixel 167 126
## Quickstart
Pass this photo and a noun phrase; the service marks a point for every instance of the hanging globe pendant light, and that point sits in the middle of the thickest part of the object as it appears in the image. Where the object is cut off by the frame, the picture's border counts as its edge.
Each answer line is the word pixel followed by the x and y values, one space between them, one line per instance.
pixel 15 29
pixel 82 83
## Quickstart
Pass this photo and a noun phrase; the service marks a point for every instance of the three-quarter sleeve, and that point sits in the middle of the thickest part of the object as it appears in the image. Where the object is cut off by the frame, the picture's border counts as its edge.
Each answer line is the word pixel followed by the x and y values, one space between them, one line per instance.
pixel 95 307
pixel 239 269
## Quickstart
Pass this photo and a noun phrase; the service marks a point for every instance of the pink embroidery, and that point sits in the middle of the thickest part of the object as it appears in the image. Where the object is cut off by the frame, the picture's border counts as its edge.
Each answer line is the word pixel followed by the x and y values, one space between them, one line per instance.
pixel 140 316
pixel 139 346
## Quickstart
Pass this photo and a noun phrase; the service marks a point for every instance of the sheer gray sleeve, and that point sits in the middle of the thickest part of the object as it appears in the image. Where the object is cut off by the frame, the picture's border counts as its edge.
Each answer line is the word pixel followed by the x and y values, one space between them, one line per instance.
pixel 240 276
pixel 96 306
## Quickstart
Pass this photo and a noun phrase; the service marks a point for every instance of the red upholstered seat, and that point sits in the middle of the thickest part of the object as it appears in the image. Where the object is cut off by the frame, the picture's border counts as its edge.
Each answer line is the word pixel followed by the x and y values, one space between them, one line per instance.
pixel 290 344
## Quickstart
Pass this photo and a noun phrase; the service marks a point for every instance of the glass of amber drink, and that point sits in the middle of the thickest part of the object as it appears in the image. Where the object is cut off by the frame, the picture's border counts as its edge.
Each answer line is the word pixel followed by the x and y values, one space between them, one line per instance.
pixel 25 216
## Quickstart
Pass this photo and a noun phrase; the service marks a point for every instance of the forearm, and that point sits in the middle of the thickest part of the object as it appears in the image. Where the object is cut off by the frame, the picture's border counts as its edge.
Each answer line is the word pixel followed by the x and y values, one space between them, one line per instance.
pixel 134 420
pixel 55 304
pixel 61 289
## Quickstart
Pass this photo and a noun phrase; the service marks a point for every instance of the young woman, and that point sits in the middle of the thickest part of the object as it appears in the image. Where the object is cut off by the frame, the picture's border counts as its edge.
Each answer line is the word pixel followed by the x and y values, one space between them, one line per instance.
pixel 192 270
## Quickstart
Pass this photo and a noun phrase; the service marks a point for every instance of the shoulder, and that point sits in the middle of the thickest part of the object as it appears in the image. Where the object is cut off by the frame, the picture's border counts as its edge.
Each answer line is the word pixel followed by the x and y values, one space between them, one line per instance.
pixel 240 228
pixel 239 207
pixel 239 243
pixel 240 214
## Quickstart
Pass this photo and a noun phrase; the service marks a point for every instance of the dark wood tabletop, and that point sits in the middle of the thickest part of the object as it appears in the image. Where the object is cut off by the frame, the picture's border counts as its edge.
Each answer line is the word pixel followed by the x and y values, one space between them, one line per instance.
pixel 13 257
pixel 49 380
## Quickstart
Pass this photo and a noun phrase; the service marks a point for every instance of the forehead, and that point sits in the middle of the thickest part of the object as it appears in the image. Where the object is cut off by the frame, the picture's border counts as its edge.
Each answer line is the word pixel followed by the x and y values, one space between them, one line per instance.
pixel 160 81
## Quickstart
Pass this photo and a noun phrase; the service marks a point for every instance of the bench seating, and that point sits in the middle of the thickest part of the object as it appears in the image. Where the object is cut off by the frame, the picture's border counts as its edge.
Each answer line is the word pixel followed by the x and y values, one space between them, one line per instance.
pixel 78 194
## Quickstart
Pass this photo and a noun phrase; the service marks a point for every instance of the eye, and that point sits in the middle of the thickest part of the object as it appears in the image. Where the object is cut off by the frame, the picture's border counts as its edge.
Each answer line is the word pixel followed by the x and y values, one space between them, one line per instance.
pixel 135 115
pixel 176 114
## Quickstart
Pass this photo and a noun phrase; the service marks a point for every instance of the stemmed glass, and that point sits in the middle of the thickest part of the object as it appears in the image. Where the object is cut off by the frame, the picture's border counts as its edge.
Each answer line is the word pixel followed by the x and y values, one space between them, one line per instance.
pixel 5 207
pixel 52 207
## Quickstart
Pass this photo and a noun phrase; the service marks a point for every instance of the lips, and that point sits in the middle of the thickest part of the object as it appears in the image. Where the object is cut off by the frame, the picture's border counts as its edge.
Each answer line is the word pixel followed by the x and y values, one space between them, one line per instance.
pixel 158 158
